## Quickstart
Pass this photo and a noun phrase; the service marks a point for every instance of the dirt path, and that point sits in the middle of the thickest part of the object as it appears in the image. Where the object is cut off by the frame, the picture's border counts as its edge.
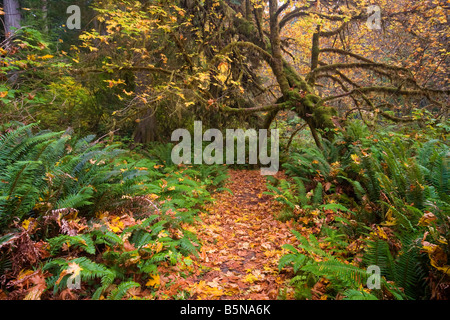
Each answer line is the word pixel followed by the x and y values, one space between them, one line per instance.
pixel 241 244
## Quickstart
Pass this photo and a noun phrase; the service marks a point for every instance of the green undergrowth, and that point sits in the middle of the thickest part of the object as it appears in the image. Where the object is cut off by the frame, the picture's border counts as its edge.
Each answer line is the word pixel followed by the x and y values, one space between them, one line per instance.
pixel 84 214
pixel 369 198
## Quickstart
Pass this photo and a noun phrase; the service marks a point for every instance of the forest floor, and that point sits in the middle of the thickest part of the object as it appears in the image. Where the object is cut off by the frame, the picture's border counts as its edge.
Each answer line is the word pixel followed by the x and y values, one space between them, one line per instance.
pixel 241 246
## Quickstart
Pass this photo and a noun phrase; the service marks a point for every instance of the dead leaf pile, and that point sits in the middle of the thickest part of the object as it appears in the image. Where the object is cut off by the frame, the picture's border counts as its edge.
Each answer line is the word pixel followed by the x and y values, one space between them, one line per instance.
pixel 241 246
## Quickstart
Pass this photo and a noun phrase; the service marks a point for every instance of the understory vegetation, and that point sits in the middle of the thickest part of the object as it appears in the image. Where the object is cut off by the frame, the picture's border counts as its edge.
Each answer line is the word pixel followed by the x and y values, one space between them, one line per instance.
pixel 79 206
pixel 92 205
pixel 372 197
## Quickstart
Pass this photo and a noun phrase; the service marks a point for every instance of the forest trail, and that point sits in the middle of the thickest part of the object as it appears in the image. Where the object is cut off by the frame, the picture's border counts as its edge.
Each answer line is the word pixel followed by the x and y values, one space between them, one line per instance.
pixel 241 245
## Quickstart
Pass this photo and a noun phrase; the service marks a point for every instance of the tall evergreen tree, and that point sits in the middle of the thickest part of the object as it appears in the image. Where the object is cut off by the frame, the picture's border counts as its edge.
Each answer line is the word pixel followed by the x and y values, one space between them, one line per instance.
pixel 12 15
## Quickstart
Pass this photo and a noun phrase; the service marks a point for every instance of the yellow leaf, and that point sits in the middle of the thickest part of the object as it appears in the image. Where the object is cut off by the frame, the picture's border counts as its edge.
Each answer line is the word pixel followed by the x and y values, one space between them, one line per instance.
pixel 116 225
pixel 381 233
pixel 35 293
pixel 46 57
pixel 29 224
pixel 445 269
pixel 223 67
pixel 163 234
pixel 427 219
pixel 159 247
pixel 355 158
pixel 222 78
pixel 26 224
pixel 250 278
pixel 23 273
pixel 154 281
pixel 153 196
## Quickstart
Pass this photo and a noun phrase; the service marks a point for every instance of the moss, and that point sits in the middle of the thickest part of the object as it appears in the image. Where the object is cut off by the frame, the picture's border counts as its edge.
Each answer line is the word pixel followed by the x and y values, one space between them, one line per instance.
pixel 322 116
pixel 295 79
pixel 245 27
pixel 310 101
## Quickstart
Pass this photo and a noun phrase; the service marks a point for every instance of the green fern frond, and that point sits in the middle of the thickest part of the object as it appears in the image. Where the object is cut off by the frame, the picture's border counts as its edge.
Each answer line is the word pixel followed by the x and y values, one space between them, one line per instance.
pixel 187 247
pixel 122 289
pixel 378 254
pixel 334 269
pixel 83 241
pixel 317 196
pixel 408 269
pixel 353 294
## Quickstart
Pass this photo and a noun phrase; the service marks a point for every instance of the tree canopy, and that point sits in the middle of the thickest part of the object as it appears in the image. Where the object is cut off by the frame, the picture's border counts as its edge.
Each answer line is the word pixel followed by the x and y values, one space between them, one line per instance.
pixel 93 204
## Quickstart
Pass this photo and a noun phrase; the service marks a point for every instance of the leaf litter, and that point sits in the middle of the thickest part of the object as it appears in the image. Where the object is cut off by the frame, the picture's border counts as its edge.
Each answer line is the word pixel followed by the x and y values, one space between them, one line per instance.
pixel 241 244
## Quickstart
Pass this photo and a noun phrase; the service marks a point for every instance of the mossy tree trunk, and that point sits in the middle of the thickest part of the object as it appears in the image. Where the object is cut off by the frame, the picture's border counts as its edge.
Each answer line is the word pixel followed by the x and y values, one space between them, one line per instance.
pixel 297 93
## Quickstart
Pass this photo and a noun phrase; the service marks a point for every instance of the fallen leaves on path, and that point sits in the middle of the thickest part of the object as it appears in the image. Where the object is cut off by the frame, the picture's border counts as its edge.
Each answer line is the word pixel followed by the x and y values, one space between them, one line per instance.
pixel 241 246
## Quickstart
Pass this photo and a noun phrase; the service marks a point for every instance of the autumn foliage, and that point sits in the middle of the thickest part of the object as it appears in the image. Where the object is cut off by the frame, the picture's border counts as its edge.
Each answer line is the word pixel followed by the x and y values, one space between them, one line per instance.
pixel 92 206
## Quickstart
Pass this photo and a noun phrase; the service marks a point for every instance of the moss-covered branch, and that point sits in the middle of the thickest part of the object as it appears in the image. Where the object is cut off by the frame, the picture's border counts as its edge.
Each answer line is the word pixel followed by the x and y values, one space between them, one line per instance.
pixel 244 44
pixel 268 108
pixel 315 51
pixel 357 65
pixel 376 89
pixel 347 53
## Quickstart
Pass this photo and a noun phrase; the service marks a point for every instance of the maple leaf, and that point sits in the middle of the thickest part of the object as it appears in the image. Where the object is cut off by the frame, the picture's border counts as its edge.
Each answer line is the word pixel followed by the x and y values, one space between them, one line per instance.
pixel 355 158
pixel 427 219
pixel 250 278
pixel 46 57
pixel 154 281
pixel 116 225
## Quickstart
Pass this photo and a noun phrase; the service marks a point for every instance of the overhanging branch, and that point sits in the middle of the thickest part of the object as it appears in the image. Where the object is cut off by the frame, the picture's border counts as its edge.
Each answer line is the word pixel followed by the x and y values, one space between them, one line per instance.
pixel 269 108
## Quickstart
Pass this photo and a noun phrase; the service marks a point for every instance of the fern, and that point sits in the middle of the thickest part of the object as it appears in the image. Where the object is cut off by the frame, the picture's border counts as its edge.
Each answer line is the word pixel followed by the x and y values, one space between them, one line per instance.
pixel 63 172
pixel 408 270
pixel 89 270
pixel 378 253
pixel 84 241
pixel 19 189
pixel 187 247
pixel 301 192
pixel 122 289
pixel 108 237
pixel 352 294
pixel 405 270
pixel 78 200
pixel 296 260
pixel 142 237
pixel 317 197
pixel 10 140
pixel 333 269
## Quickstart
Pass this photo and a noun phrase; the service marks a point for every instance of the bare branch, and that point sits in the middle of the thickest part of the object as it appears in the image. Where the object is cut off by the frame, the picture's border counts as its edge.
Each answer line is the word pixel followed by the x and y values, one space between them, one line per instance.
pixel 345 52
pixel 282 8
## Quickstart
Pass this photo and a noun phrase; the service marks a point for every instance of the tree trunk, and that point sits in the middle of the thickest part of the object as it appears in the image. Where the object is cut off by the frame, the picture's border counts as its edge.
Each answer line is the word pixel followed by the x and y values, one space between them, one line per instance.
pixel 45 15
pixel 146 130
pixel 12 15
